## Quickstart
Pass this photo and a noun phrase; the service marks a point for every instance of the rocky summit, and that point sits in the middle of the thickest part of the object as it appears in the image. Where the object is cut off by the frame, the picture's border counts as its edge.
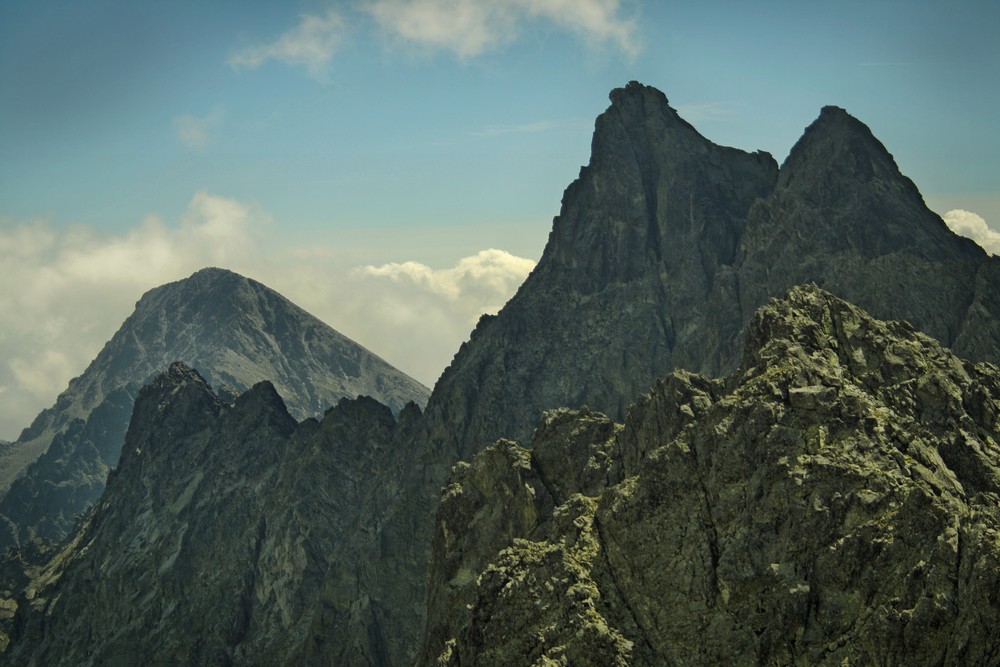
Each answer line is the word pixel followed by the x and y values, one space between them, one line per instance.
pixel 217 529
pixel 834 500
pixel 714 521
pixel 666 244
pixel 664 248
pixel 237 332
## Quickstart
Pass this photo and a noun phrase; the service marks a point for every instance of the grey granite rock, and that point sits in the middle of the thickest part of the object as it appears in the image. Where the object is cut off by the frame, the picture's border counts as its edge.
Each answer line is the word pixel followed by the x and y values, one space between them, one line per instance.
pixel 834 501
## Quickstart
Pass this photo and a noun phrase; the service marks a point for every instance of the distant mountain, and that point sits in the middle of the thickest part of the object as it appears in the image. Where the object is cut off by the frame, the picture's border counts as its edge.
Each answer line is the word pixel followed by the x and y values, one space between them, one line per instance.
pixel 237 332
pixel 664 248
pixel 833 501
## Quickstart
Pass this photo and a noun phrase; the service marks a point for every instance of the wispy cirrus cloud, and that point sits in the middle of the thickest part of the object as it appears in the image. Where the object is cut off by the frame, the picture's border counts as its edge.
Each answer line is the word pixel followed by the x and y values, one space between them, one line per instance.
pixel 707 112
pixel 537 126
pixel 310 44
pixel 196 132
pixel 470 28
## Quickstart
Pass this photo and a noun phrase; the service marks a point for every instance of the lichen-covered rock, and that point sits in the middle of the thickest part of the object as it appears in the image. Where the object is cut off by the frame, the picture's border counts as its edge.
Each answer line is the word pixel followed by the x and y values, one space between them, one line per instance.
pixel 836 500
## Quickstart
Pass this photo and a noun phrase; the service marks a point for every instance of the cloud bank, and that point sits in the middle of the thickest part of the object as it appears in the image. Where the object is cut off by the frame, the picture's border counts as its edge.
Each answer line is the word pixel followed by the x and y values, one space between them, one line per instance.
pixel 472 27
pixel 68 289
pixel 973 226
pixel 484 281
pixel 310 44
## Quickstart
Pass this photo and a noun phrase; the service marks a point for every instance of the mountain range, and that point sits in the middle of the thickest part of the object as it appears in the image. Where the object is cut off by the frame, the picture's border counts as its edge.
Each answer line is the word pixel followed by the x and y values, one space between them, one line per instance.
pixel 237 332
pixel 231 534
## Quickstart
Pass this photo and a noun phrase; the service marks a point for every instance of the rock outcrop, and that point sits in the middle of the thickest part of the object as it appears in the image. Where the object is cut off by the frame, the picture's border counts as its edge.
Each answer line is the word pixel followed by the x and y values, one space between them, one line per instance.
pixel 211 542
pixel 237 332
pixel 835 500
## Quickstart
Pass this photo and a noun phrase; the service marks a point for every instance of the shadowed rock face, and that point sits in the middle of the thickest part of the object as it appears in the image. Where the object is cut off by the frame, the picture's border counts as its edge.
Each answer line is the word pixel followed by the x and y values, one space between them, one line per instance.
pixel 237 332
pixel 663 249
pixel 834 499
pixel 666 245
pixel 217 529
pixel 630 271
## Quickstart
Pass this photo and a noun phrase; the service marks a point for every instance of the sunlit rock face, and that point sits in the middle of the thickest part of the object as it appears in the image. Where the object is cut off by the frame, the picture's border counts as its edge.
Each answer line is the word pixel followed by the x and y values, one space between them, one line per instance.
pixel 832 501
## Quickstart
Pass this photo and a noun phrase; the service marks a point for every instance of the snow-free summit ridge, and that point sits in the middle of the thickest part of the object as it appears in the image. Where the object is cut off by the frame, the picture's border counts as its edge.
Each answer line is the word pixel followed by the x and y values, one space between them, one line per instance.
pixel 664 248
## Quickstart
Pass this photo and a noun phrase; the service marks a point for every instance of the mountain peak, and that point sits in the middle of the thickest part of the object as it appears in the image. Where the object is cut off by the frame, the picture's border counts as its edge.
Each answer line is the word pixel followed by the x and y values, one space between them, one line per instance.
pixel 838 146
pixel 634 96
pixel 236 332
pixel 641 114
pixel 212 272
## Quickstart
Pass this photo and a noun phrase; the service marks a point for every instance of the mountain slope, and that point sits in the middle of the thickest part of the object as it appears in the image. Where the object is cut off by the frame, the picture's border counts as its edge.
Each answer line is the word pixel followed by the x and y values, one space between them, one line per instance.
pixel 639 253
pixel 234 330
pixel 666 245
pixel 217 528
pixel 844 217
pixel 833 501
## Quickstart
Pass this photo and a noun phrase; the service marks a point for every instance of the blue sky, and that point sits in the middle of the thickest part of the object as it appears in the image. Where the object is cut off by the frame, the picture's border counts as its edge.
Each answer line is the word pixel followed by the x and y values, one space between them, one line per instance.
pixel 360 156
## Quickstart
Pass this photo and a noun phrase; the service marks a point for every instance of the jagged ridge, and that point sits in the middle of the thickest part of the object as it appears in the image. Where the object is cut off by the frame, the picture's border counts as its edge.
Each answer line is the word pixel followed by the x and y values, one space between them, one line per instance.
pixel 653 263
pixel 220 520
pixel 834 500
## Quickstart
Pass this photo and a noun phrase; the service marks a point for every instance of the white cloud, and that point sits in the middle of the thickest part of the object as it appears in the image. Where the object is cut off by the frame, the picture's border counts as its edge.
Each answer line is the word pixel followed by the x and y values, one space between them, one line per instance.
pixel 67 289
pixel 311 44
pixel 195 132
pixel 472 27
pixel 973 226
pixel 481 283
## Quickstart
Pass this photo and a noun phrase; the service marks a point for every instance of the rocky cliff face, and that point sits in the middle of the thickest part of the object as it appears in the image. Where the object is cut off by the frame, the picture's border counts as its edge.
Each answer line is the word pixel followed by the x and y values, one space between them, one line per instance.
pixel 211 543
pixel 666 245
pixel 843 216
pixel 663 249
pixel 631 267
pixel 237 332
pixel 834 500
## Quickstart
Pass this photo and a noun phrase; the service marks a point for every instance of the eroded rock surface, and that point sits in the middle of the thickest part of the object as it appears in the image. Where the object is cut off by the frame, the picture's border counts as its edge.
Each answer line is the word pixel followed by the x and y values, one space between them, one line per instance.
pixel 834 499
pixel 212 542
pixel 664 247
